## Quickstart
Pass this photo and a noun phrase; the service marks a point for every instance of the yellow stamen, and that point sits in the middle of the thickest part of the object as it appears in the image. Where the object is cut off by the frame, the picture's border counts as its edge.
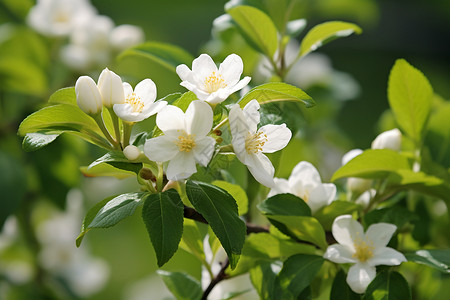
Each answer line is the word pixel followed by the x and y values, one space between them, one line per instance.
pixel 214 82
pixel 185 143
pixel 363 249
pixel 135 102
pixel 254 142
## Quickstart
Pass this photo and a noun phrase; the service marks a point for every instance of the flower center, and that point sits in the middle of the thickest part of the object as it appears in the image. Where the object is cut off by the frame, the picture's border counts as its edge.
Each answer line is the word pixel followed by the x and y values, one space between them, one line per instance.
pixel 363 250
pixel 214 82
pixel 254 142
pixel 135 102
pixel 61 17
pixel 185 143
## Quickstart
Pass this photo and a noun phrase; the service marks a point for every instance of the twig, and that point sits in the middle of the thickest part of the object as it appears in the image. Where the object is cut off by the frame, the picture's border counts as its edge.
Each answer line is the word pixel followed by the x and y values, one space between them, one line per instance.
pixel 220 276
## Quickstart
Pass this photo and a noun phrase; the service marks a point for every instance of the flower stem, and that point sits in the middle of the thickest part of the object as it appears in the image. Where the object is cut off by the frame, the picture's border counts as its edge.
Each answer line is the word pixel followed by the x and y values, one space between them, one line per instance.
pixel 223 122
pixel 99 120
pixel 160 177
pixel 127 126
pixel 116 125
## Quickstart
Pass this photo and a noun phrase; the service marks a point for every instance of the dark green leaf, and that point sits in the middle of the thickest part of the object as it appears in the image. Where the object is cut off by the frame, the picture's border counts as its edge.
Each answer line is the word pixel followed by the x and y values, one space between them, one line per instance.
pixel 276 92
pixel 116 210
pixel 371 163
pixel 298 272
pixel 388 286
pixel 423 223
pixel 284 205
pixel 410 95
pixel 340 289
pixel 257 28
pixel 163 216
pixel 118 160
pixel 396 215
pixel 437 259
pixel 220 210
pixel 263 280
pixel 236 192
pixel 324 33
pixel 181 285
pixel 327 214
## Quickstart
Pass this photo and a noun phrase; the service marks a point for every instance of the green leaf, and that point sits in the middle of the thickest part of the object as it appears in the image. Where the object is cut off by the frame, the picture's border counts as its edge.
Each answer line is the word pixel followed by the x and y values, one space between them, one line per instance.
pixel 327 214
pixel 192 239
pixel 267 247
pixel 181 285
pixel 184 100
pixel 116 210
pixel 90 217
pixel 298 272
pixel 410 95
pixel 372 163
pixel 423 224
pixel 37 140
pixel 166 55
pixel 106 170
pixel 263 280
pixel 118 160
pixel 64 96
pixel 276 92
pixel 236 192
pixel 284 205
pixel 220 210
pixel 388 285
pixel 257 28
pixel 60 118
pixel 340 289
pixel 163 216
pixel 438 135
pixel 302 228
pixel 396 215
pixel 323 33
pixel 437 259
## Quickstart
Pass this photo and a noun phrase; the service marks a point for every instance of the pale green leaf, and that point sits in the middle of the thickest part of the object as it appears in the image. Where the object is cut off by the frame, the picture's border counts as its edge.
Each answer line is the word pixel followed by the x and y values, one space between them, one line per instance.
pixel 118 160
pixel 437 259
pixel 328 213
pixel 64 96
pixel 106 170
pixel 181 285
pixel 37 140
pixel 237 193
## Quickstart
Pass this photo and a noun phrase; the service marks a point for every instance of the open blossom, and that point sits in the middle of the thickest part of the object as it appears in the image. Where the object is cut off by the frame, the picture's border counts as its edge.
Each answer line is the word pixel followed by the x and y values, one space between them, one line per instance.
pixel 391 139
pixel 140 103
pixel 250 143
pixel 364 250
pixel 211 84
pixel 305 182
pixel 185 139
pixel 59 17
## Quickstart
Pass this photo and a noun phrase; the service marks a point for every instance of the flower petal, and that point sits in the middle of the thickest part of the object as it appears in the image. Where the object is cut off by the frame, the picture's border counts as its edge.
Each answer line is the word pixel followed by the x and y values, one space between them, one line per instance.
pixel 278 136
pixel 345 229
pixel 350 155
pixel 386 256
pixel 240 85
pixel 181 166
pixel 146 90
pixel 340 254
pixel 111 88
pixel 204 149
pixel 203 66
pixel 261 168
pixel 231 69
pixel 251 112
pixel 198 118
pixel 360 276
pixel 239 125
pixel 126 113
pixel 154 108
pixel 281 187
pixel 161 148
pixel 305 174
pixel 171 118
pixel 127 89
pixel 380 234
pixel 320 196
pixel 183 72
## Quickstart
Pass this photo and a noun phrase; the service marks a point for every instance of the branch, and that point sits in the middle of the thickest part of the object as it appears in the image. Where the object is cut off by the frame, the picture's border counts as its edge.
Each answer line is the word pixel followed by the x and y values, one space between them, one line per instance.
pixel 220 276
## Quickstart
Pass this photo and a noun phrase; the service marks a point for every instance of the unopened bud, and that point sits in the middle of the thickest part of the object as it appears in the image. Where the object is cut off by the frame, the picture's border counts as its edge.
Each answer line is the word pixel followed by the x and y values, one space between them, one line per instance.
pixel 219 140
pixel 88 96
pixel 350 155
pixel 131 152
pixel 390 139
pixel 111 88
pixel 217 132
pixel 358 185
pixel 147 174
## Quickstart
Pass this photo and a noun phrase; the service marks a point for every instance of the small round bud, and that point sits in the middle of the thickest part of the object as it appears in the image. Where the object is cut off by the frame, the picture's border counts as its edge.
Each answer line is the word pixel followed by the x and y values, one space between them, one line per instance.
pixel 219 140
pixel 217 132
pixel 131 152
pixel 88 96
pixel 147 174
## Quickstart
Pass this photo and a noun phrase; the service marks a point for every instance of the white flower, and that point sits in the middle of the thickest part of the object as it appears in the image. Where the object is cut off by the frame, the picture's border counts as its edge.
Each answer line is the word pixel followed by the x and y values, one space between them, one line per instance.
pixel 111 88
pixel 364 198
pixel 88 95
pixel 59 17
pixel 249 143
pixel 305 182
pixel 185 139
pixel 364 250
pixel 391 139
pixel 140 103
pixel 211 84
pixel 126 36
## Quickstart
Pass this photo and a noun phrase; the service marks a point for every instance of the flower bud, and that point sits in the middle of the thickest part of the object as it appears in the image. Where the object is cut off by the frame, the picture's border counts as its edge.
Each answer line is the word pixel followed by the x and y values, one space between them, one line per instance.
pixel 131 152
pixel 88 95
pixel 358 185
pixel 350 155
pixel 147 174
pixel 111 88
pixel 390 139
